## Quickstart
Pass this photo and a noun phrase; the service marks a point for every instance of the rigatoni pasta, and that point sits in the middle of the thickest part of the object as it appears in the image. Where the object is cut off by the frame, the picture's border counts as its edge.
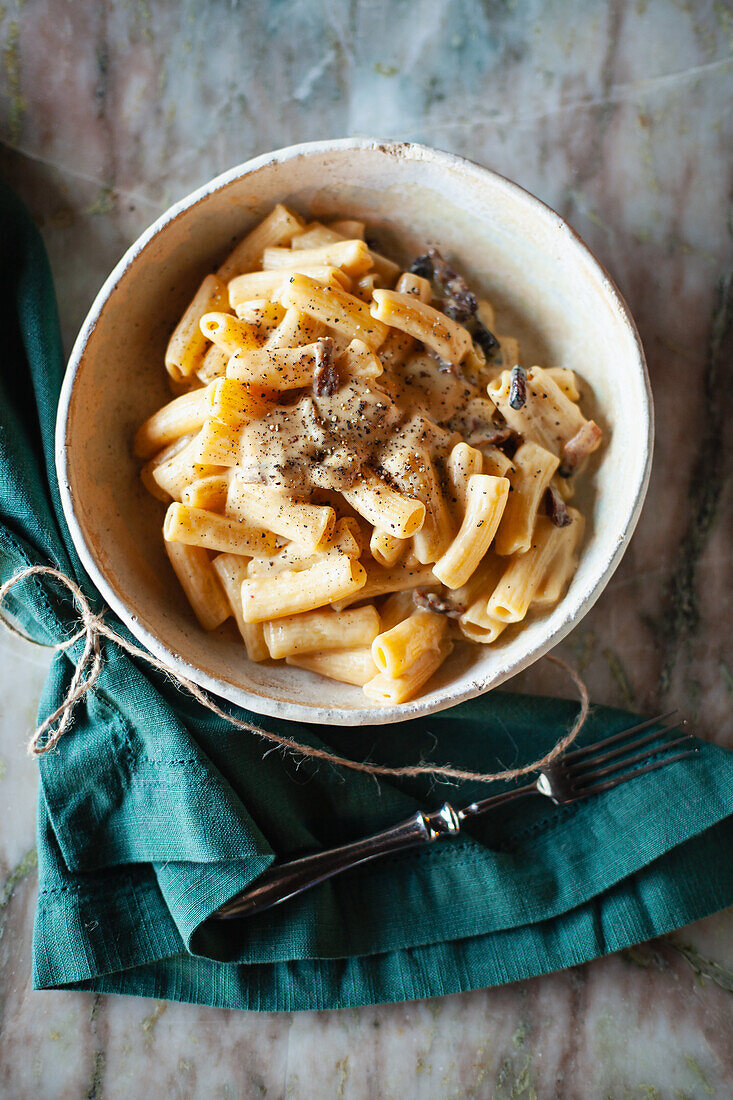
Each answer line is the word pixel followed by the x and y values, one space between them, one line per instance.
pixel 356 470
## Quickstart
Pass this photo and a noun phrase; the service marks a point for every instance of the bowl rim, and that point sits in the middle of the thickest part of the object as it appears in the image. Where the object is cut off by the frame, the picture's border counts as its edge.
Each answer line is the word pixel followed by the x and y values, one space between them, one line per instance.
pixel 324 715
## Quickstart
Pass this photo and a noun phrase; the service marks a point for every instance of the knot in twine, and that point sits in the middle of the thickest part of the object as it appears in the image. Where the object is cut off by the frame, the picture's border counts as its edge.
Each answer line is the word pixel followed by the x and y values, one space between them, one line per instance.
pixel 93 627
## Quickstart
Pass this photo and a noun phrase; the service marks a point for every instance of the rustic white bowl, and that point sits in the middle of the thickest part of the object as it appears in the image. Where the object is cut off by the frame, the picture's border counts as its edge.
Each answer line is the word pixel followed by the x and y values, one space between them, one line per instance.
pixel 548 290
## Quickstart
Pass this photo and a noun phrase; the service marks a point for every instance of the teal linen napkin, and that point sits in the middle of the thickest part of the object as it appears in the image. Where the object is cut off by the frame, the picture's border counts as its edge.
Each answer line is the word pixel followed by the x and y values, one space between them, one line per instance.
pixel 152 812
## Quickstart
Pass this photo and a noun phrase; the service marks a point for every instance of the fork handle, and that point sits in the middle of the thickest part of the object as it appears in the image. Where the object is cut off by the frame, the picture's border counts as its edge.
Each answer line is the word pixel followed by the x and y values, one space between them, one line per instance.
pixel 285 880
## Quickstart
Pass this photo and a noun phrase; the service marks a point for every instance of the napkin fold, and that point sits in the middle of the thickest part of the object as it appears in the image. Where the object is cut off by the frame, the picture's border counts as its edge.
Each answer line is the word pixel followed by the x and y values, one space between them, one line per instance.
pixel 152 812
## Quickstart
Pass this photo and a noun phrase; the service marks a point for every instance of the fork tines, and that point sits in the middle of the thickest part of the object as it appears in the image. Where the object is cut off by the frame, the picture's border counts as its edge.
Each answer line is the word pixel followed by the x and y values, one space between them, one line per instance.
pixel 586 766
pixel 623 735
pixel 590 787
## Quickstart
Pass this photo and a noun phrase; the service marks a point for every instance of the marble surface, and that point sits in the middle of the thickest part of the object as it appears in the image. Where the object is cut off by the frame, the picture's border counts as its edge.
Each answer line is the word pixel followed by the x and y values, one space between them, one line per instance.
pixel 619 115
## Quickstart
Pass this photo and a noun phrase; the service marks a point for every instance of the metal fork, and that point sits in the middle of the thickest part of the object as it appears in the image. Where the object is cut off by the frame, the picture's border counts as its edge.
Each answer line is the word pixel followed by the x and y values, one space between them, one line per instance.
pixel 577 775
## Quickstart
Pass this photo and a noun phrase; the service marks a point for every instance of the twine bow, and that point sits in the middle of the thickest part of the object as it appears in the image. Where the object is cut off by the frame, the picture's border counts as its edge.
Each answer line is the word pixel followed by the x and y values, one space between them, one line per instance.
pixel 93 627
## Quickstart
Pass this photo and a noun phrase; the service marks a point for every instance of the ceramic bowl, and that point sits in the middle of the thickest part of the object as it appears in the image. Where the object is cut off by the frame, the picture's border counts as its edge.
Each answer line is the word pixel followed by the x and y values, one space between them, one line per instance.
pixel 548 290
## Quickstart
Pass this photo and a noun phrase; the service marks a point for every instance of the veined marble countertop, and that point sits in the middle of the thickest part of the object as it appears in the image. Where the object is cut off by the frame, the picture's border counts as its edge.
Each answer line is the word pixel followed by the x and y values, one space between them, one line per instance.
pixel 619 115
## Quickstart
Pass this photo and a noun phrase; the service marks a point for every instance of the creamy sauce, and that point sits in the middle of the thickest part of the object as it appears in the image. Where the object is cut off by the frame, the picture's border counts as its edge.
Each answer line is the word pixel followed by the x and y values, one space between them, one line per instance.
pixel 397 424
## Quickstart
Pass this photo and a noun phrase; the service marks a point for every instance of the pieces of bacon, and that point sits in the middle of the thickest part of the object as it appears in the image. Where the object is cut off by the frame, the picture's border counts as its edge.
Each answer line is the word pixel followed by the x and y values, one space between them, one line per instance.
pixel 326 379
pixel 584 442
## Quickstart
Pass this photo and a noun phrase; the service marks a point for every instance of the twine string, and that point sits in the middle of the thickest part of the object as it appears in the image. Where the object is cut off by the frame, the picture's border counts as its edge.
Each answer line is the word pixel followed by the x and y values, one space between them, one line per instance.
pixel 93 627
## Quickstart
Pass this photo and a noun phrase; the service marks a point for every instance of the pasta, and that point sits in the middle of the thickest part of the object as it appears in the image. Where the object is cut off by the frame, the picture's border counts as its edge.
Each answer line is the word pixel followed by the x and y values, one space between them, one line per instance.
pixel 294 591
pixel 187 346
pixel 350 666
pixel 315 631
pixel 397 650
pixel 356 470
pixel 179 417
pixel 199 581
pixel 529 481
pixel 232 571
pixel 486 498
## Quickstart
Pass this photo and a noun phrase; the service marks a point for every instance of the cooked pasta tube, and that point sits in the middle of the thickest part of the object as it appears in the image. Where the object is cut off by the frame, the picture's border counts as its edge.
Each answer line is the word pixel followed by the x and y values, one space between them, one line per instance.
pixel 396 650
pixel 349 231
pixel 334 307
pixel 485 502
pixel 278 368
pixel 294 556
pixel 449 340
pixel 399 345
pixel 213 366
pixel 349 228
pixel 533 470
pixel 278 228
pixel 387 691
pixel 483 580
pixel 316 235
pixel 231 570
pixel 336 577
pixel 386 549
pixel 168 454
pixel 359 362
pixel 432 540
pixel 229 333
pixel 351 256
pixel 315 631
pixel 207 492
pixel 546 417
pixel 379 582
pixel 309 525
pixel 413 473
pixel 151 485
pixel 364 287
pixel 198 527
pixel 269 284
pixel 484 632
pixel 463 462
pixel 383 506
pixel 295 329
pixel 262 314
pixel 566 380
pixel 217 444
pixel 235 403
pixel 495 461
pixel 349 532
pixel 476 623
pixel 200 583
pixel 396 608
pixel 511 599
pixel 349 666
pixel 386 270
pixel 563 564
pixel 186 347
pixel 415 285
pixel 181 416
pixel 180 468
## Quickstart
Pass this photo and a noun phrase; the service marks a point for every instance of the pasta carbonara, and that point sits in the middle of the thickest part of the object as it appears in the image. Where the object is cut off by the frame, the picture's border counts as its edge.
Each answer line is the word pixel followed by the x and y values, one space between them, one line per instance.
pixel 357 470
